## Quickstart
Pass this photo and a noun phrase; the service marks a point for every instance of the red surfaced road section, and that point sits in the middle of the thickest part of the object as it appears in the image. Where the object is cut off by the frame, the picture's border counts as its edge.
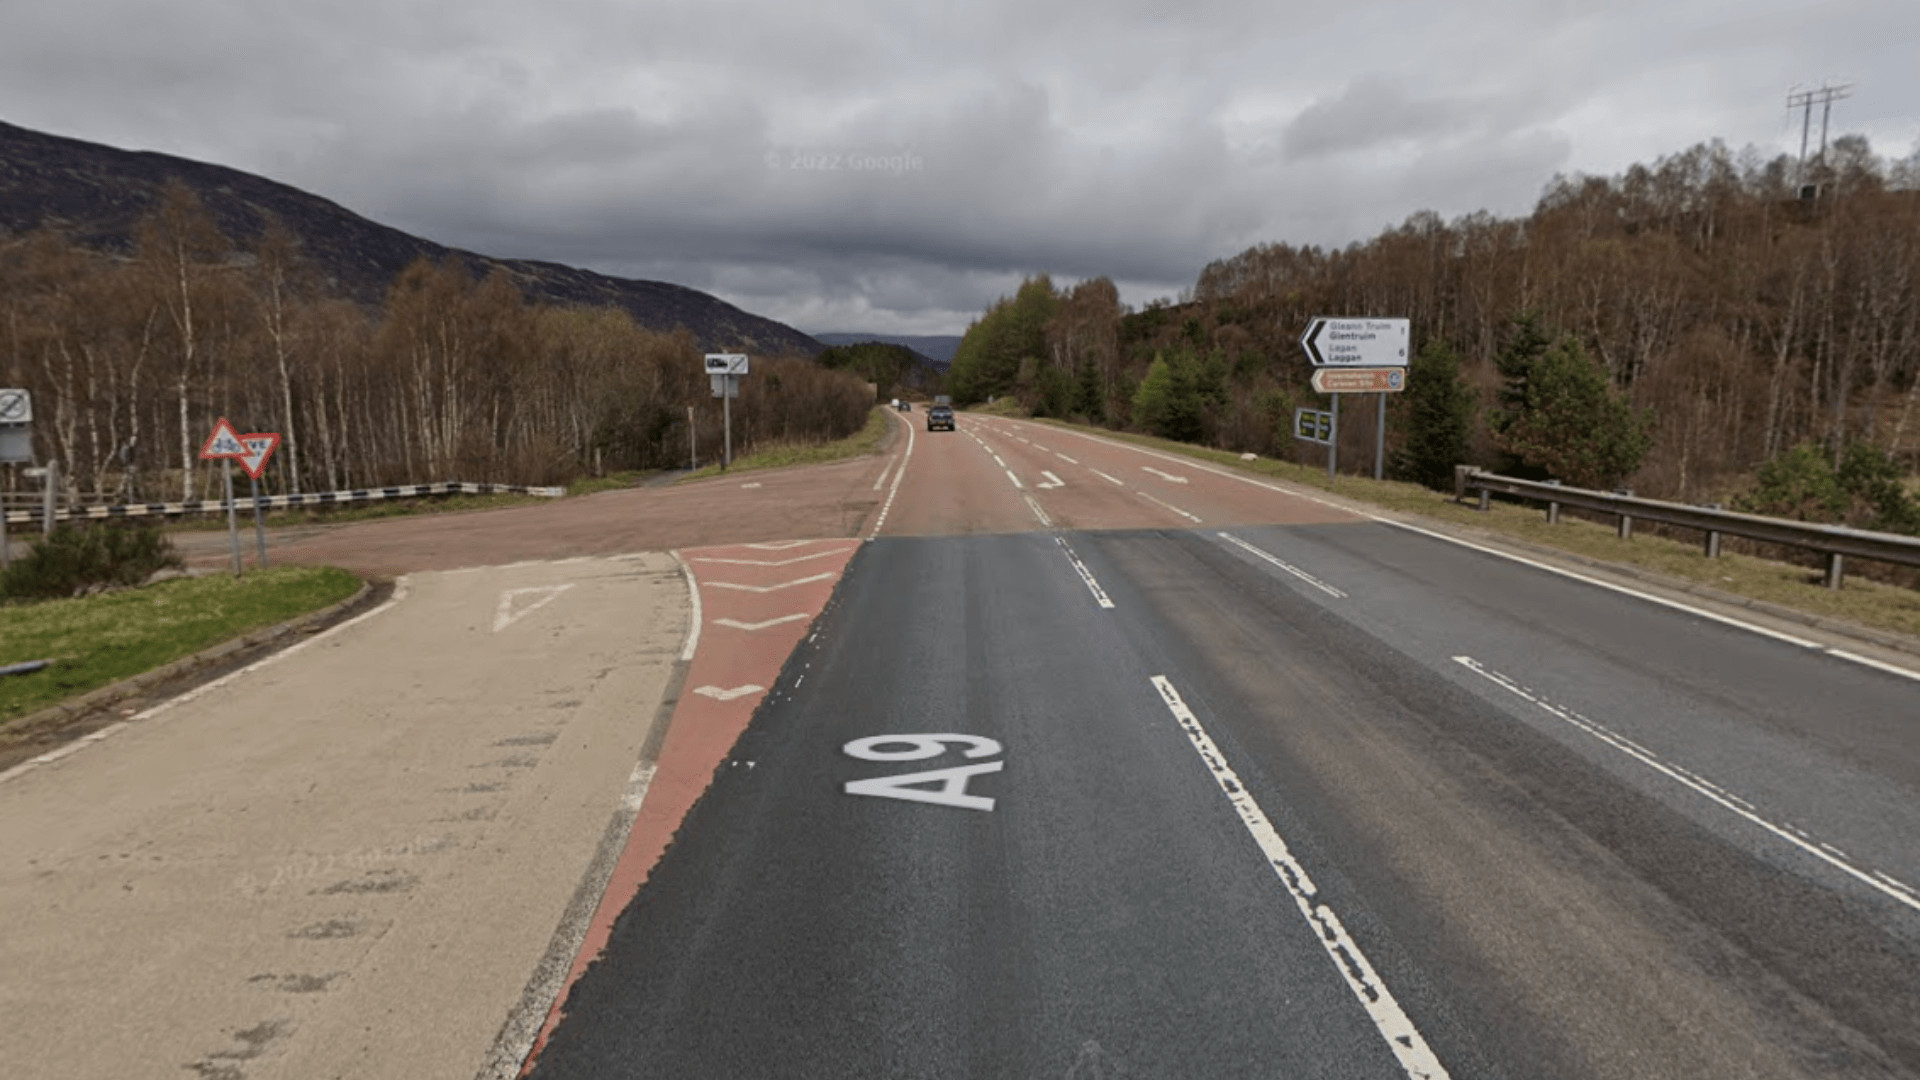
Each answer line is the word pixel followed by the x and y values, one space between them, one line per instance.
pixel 749 595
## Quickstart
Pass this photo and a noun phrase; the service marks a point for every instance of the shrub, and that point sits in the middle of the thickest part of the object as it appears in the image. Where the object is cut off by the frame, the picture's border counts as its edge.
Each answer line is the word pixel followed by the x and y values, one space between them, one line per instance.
pixel 73 560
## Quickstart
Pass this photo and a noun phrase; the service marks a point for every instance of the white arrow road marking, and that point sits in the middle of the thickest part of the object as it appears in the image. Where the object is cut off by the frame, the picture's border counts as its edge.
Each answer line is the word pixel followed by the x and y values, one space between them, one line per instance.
pixel 1904 893
pixel 1164 475
pixel 755 484
pixel 1168 506
pixel 738 625
pixel 1052 480
pixel 718 694
pixel 768 588
pixel 1109 479
pixel 1288 567
pixel 506 616
pixel 1416 1058
pixel 1064 458
pixel 775 562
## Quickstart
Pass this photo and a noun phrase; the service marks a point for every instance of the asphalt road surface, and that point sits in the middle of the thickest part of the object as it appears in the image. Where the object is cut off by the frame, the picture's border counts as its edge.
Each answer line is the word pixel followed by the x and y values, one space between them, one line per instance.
pixel 1105 764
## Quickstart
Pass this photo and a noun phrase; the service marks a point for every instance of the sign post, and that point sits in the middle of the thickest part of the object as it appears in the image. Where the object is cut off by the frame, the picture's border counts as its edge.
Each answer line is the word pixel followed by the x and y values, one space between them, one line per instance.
pixel 223 446
pixel 725 370
pixel 1333 442
pixel 260 446
pixel 16 448
pixel 1358 356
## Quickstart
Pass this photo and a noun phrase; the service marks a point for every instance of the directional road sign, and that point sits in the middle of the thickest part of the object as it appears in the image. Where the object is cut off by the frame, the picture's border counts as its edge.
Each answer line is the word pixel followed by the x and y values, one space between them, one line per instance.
pixel 16 407
pixel 1356 342
pixel 726 363
pixel 1366 380
pixel 223 443
pixel 1313 425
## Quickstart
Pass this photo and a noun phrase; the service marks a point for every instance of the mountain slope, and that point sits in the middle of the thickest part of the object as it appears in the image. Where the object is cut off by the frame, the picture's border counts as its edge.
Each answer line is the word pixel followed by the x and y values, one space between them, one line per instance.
pixel 98 194
pixel 937 348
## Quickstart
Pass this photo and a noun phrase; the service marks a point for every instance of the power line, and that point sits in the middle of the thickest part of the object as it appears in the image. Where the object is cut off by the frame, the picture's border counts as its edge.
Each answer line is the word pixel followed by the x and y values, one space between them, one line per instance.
pixel 1805 100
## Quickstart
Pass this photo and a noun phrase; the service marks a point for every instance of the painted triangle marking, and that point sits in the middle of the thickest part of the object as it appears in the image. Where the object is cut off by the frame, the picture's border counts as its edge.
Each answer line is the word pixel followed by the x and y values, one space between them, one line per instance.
pixel 768 588
pixel 750 626
pixel 507 614
pixel 718 694
pixel 1052 480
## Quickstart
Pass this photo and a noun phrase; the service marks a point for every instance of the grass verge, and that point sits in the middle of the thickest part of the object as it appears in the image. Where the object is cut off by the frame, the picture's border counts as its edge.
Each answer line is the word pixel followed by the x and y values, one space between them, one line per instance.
pixel 780 455
pixel 97 640
pixel 1869 603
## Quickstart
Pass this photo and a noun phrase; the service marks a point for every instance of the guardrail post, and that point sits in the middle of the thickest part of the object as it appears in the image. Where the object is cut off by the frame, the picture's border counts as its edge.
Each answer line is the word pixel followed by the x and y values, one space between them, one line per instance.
pixel 1460 475
pixel 1713 535
pixel 1834 569
pixel 1486 500
pixel 1626 520
pixel 1553 508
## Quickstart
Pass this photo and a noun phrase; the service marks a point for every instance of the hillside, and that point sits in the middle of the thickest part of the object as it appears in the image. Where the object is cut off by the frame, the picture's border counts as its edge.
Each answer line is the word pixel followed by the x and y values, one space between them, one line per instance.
pixel 98 193
pixel 936 349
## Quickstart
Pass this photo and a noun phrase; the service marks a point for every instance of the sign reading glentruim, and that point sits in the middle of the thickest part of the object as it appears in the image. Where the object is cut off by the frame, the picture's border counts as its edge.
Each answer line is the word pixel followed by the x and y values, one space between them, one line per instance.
pixel 1357 342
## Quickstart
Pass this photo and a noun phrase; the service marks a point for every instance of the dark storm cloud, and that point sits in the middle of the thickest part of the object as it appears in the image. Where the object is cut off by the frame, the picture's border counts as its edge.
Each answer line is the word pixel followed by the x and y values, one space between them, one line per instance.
pixel 895 167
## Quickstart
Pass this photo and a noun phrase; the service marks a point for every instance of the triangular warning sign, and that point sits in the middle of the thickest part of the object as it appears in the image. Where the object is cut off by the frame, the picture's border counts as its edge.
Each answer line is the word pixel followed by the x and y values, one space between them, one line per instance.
pixel 223 443
pixel 259 447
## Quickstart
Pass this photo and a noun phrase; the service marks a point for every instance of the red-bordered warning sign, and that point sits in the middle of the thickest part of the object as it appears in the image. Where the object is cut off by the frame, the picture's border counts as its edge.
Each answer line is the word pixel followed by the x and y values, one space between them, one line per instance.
pixel 223 443
pixel 259 447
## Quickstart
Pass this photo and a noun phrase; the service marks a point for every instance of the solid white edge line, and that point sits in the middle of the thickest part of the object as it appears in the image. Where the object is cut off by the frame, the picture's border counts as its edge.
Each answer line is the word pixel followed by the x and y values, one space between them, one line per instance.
pixel 1792 834
pixel 1288 567
pixel 898 475
pixel 401 587
pixel 1045 522
pixel 1401 1037
pixel 1741 624
pixel 693 593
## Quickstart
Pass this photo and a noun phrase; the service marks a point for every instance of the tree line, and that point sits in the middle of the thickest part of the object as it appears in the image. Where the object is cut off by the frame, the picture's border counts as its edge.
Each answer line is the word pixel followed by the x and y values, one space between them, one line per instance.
pixel 132 356
pixel 1673 328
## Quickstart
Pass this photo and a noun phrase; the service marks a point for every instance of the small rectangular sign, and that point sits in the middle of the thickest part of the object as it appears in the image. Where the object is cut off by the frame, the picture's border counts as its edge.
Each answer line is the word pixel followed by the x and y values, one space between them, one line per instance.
pixel 726 364
pixel 1376 380
pixel 1313 425
pixel 725 385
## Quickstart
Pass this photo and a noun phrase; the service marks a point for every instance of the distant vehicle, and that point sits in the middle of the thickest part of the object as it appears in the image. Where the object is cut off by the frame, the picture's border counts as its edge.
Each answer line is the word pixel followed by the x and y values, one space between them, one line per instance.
pixel 940 416
pixel 903 404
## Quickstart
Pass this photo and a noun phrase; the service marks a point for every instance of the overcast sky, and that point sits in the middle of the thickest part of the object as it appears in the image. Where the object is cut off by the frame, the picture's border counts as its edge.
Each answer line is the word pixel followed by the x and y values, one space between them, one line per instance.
pixel 894 166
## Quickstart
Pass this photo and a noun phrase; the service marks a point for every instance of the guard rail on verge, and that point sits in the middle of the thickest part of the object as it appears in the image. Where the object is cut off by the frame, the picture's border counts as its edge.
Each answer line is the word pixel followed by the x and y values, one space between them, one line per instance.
pixel 1835 541
pixel 278 502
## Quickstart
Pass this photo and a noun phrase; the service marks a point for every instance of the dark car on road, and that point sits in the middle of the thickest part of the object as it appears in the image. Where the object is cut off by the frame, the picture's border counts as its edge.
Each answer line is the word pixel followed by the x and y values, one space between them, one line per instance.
pixel 940 416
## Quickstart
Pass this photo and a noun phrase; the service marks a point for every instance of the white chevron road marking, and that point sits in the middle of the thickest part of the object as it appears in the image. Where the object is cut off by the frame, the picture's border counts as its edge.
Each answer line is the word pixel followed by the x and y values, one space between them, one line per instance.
pixel 718 694
pixel 751 626
pixel 767 588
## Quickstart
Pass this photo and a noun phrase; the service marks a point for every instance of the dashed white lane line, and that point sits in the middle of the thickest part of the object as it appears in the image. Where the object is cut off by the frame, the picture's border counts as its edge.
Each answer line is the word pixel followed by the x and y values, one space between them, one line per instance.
pixel 1415 1057
pixel 1284 565
pixel 1755 628
pixel 882 478
pixel 1064 458
pixel 1108 479
pixel 1898 890
pixel 1099 594
pixel 1163 475
pixel 401 586
pixel 1168 506
pixel 1015 479
pixel 898 475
